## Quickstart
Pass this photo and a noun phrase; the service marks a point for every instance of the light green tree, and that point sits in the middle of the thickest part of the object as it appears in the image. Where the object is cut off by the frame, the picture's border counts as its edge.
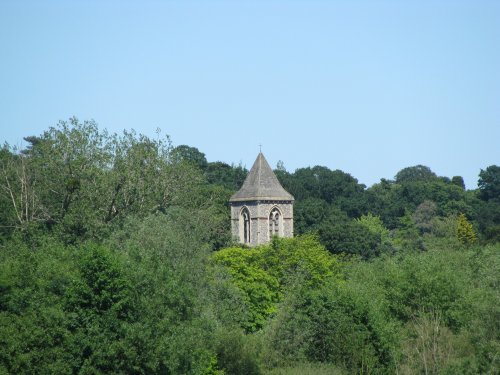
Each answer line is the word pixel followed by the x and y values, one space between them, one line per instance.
pixel 264 273
pixel 465 231
pixel 375 225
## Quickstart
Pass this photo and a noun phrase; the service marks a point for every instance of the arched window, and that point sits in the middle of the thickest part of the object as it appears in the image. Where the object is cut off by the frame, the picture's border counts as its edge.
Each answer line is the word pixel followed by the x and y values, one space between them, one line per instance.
pixel 274 222
pixel 245 220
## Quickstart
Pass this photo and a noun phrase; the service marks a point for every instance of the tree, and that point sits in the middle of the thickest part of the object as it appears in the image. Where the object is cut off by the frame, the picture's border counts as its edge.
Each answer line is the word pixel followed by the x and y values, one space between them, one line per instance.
pixel 459 181
pixel 335 323
pixel 465 231
pixel 263 273
pixel 79 181
pixel 321 182
pixel 407 236
pixel 19 200
pixel 340 234
pixel 58 179
pixel 167 256
pixel 261 290
pixel 424 214
pixel 416 173
pixel 385 200
pixel 100 306
pixel 391 200
pixel 489 183
pixel 308 214
pixel 102 287
pixel 375 225
pixel 280 166
pixel 229 176
pixel 184 153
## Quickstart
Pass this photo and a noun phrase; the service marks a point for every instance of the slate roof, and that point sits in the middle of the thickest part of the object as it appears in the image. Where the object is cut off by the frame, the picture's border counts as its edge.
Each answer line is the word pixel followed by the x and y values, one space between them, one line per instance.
pixel 261 184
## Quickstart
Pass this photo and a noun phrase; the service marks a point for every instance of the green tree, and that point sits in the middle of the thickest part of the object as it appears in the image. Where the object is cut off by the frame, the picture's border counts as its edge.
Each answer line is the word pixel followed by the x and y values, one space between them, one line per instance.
pixel 459 181
pixel 184 153
pixel 11 212
pixel 34 337
pixel 340 235
pixel 261 290
pixel 79 181
pixel 386 202
pixel 489 183
pixel 335 187
pixel 407 236
pixel 58 180
pixel 169 254
pixel 424 214
pixel 375 225
pixel 229 176
pixel 102 287
pixel 308 214
pixel 391 200
pixel 333 323
pixel 416 173
pixel 100 306
pixel 264 272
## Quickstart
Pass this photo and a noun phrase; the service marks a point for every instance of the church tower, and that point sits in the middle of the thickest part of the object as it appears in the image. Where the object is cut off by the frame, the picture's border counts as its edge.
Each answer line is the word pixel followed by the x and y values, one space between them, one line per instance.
pixel 261 209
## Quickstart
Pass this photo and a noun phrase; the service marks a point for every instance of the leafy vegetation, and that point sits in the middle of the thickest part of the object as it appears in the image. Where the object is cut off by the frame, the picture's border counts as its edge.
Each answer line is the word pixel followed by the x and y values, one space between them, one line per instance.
pixel 116 257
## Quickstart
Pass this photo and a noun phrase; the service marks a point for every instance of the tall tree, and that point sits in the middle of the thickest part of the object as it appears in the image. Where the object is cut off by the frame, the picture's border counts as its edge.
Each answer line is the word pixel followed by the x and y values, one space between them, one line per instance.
pixel 184 153
pixel 229 176
pixel 465 231
pixel 489 183
pixel 416 173
pixel 459 181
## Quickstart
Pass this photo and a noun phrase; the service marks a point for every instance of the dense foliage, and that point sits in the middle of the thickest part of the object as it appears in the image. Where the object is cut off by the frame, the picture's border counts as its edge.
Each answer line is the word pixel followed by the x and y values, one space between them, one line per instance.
pixel 116 257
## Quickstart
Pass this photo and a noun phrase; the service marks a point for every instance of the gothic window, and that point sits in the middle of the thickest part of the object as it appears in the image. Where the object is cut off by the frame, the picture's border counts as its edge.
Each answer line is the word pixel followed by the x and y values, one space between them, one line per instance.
pixel 274 222
pixel 245 215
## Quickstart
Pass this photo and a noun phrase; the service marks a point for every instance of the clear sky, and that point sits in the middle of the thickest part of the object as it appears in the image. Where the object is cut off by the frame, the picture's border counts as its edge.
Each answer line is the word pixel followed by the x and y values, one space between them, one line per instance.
pixel 367 87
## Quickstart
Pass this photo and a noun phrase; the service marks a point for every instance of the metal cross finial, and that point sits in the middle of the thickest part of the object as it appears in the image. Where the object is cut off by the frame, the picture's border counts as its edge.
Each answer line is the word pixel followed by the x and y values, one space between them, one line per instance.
pixel 260 147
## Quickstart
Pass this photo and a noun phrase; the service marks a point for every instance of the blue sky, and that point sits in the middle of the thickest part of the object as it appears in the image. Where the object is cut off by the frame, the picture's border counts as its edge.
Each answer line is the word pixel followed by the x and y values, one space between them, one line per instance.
pixel 368 87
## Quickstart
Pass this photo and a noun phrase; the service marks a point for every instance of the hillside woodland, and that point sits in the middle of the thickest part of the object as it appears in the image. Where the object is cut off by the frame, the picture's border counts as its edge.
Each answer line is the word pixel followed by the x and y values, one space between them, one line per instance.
pixel 116 257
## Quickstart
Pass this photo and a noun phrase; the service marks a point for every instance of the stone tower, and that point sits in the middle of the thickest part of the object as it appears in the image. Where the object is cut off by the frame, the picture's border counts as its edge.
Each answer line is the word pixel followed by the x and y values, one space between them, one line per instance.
pixel 261 208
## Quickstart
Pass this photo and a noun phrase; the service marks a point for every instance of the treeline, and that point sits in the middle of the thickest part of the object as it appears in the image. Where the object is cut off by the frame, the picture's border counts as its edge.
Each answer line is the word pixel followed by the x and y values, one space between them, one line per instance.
pixel 116 257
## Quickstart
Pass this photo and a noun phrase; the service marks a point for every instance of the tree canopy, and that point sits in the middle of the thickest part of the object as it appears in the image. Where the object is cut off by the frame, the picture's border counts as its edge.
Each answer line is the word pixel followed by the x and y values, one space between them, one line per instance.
pixel 116 257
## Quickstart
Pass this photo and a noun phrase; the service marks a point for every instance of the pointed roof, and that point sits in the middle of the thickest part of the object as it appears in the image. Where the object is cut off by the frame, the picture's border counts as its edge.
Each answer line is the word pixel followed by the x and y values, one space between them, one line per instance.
pixel 261 184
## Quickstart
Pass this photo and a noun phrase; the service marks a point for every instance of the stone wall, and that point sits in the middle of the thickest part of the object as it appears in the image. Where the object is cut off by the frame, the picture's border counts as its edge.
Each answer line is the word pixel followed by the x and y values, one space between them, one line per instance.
pixel 259 222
